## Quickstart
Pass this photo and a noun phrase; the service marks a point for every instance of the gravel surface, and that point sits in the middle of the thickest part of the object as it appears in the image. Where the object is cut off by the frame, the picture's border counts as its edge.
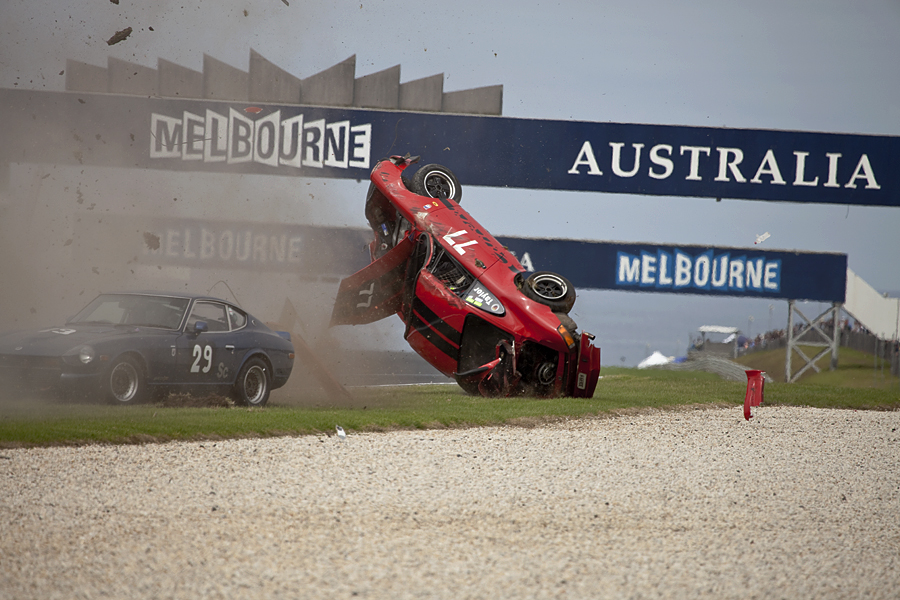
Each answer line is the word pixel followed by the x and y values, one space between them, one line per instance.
pixel 796 503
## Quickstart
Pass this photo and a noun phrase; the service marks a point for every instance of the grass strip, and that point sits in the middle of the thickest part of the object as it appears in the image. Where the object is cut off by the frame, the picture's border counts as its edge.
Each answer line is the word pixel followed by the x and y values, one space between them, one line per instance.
pixel 25 424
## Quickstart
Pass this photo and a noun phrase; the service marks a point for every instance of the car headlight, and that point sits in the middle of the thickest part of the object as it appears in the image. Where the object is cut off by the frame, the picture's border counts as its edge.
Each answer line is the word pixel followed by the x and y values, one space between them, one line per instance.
pixel 86 354
pixel 479 297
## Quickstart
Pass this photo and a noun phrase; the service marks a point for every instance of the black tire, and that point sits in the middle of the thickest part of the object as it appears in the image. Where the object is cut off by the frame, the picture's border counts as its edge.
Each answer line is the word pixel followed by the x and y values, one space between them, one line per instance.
pixel 125 382
pixel 253 384
pixel 550 289
pixel 436 181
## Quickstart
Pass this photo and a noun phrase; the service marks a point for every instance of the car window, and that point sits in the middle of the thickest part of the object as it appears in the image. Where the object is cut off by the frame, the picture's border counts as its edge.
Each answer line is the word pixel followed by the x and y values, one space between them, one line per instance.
pixel 109 310
pixel 134 309
pixel 155 312
pixel 452 274
pixel 238 319
pixel 211 312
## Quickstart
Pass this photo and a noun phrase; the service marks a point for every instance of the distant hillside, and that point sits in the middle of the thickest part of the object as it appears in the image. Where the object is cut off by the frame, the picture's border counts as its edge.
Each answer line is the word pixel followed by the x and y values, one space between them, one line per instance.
pixel 855 369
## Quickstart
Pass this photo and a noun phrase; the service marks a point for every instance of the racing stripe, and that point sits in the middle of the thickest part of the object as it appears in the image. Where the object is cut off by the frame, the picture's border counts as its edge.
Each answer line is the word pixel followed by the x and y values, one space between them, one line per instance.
pixel 434 337
pixel 436 322
pixel 435 330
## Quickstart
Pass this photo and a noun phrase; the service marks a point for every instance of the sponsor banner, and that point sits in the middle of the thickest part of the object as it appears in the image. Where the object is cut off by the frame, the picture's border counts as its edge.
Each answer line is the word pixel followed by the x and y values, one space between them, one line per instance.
pixel 294 139
pixel 717 271
pixel 309 251
pixel 332 253
pixel 668 160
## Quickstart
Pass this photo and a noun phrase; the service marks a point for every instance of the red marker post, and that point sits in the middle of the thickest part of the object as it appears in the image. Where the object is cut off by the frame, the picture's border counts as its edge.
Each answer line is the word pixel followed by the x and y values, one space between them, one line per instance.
pixel 754 397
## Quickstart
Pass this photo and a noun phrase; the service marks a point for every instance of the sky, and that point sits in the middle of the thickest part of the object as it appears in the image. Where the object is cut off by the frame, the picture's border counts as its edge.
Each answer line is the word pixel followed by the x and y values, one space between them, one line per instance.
pixel 788 64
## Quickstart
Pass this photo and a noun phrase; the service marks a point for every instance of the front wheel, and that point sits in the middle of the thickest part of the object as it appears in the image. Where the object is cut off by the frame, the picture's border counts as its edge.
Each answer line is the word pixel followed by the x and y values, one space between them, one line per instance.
pixel 550 289
pixel 436 181
pixel 252 386
pixel 125 382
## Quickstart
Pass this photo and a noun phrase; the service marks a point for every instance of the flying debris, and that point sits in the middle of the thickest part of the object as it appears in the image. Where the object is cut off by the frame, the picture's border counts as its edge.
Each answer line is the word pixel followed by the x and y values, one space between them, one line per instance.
pixel 761 238
pixel 119 36
pixel 340 432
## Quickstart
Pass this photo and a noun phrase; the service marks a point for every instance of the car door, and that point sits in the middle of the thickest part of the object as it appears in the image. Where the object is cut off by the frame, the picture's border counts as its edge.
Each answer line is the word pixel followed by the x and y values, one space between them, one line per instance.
pixel 237 343
pixel 199 353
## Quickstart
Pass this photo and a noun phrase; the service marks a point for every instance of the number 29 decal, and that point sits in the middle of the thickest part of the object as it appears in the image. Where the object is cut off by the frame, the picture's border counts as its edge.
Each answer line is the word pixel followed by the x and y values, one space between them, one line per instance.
pixel 204 353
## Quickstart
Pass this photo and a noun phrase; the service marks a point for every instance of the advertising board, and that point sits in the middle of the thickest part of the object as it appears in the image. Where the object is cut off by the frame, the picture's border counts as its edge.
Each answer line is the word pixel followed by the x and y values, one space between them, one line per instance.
pixel 493 151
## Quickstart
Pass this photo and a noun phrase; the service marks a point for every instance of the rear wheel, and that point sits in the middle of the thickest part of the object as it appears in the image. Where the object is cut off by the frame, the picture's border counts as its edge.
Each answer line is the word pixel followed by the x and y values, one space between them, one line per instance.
pixel 252 386
pixel 550 289
pixel 436 181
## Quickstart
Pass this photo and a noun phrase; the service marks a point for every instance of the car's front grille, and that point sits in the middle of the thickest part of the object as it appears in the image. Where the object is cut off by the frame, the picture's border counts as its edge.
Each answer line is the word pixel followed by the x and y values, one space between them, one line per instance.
pixel 17 361
pixel 29 371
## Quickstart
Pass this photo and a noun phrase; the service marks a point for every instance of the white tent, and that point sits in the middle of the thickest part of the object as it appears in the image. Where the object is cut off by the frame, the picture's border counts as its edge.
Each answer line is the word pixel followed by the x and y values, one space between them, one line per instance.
pixel 655 360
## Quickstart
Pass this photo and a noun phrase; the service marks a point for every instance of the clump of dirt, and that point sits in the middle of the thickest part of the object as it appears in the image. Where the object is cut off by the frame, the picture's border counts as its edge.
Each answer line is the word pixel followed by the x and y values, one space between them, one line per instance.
pixel 195 401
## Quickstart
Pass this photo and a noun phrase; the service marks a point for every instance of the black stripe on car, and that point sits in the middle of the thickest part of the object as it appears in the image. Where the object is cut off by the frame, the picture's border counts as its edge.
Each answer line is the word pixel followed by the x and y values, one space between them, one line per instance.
pixel 436 322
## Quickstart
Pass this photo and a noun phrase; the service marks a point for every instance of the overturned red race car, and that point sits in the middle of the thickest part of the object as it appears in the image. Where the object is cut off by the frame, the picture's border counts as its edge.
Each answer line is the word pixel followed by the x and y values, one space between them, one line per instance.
pixel 468 306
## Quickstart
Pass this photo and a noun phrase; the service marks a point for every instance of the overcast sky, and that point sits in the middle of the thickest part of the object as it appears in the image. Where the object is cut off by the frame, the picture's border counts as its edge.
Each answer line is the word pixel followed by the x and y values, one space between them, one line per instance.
pixel 776 64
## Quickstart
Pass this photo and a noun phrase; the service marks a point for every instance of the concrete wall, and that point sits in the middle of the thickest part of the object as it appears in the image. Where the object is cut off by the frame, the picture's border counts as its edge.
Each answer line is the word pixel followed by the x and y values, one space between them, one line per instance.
pixel 270 83
pixel 176 81
pixel 880 315
pixel 129 78
pixel 82 77
pixel 221 81
pixel 331 87
pixel 267 82
pixel 425 94
pixel 477 101
pixel 378 90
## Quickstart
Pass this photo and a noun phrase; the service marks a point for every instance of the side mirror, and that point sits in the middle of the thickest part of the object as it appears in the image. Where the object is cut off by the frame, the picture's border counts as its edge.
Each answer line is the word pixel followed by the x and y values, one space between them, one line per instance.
pixel 200 327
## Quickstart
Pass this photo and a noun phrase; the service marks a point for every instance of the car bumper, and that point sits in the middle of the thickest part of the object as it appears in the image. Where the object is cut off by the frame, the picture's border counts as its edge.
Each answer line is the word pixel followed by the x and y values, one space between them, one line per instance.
pixel 587 369
pixel 43 374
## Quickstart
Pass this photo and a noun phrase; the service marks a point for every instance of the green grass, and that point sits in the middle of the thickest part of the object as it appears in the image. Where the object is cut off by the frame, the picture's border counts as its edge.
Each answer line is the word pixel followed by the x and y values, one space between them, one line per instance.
pixel 855 369
pixel 36 423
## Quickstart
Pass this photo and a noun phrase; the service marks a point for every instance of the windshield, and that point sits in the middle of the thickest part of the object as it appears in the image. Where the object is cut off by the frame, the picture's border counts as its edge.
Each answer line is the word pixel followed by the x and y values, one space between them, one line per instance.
pixel 132 309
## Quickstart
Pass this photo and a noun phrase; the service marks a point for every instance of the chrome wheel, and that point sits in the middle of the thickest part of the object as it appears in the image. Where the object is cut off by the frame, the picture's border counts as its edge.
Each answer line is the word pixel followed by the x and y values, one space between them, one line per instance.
pixel 549 286
pixel 124 382
pixel 252 385
pixel 439 185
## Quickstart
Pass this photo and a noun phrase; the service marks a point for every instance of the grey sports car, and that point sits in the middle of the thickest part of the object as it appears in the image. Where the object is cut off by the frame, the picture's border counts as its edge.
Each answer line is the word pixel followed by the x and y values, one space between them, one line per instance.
pixel 132 347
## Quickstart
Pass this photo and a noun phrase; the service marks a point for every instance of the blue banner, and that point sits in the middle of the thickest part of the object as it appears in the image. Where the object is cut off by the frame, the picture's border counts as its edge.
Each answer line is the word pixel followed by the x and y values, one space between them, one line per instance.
pixel 714 271
pixel 668 160
pixel 331 253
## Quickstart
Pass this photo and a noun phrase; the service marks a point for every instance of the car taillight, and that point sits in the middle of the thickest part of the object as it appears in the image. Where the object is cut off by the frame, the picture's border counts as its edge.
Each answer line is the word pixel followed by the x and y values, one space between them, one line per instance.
pixel 570 341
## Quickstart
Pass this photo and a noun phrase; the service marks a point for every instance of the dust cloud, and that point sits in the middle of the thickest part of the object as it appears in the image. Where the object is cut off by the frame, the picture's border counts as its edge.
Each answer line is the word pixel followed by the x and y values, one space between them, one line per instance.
pixel 69 233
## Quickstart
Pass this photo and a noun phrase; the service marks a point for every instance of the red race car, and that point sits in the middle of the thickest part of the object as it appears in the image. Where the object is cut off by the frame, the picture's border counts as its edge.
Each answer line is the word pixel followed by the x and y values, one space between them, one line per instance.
pixel 469 309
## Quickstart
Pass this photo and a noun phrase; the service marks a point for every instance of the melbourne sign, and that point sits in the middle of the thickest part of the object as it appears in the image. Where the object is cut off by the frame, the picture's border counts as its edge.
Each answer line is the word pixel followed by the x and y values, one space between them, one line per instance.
pixel 343 142
pixel 326 253
pixel 273 139
pixel 329 253
pixel 719 271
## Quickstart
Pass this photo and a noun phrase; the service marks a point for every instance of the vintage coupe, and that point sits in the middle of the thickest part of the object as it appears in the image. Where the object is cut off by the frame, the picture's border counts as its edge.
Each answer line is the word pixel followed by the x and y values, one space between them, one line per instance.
pixel 131 347
pixel 469 308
